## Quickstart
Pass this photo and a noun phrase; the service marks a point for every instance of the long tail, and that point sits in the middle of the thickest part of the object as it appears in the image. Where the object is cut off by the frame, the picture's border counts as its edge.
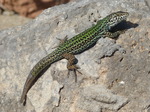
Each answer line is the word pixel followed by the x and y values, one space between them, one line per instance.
pixel 28 84
pixel 37 71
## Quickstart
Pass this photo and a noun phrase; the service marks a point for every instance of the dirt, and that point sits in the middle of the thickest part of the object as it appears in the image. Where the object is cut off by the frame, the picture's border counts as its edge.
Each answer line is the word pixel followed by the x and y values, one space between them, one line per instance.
pixel 10 19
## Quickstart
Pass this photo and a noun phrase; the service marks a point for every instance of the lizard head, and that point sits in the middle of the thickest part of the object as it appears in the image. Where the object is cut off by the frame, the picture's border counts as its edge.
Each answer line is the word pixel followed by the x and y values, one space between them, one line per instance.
pixel 115 18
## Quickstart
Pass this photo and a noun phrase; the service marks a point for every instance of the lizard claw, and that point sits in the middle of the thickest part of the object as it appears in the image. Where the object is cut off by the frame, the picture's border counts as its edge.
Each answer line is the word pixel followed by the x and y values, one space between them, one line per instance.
pixel 61 41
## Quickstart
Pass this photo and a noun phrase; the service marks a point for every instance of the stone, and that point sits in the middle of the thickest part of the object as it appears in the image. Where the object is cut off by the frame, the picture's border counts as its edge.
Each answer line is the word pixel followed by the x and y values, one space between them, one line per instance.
pixel 122 78
pixel 94 98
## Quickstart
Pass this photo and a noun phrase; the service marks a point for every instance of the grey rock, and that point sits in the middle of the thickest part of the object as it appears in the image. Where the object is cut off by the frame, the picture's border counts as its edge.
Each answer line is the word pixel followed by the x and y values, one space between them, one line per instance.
pixel 125 74
pixel 147 2
pixel 100 97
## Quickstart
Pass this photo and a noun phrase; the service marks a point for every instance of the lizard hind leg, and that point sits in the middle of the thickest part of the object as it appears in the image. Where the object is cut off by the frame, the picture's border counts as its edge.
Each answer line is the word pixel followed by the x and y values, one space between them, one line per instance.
pixel 71 65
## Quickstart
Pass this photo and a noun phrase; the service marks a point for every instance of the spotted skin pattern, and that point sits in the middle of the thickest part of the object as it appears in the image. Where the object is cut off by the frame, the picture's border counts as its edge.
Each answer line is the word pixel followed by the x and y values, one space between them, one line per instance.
pixel 73 46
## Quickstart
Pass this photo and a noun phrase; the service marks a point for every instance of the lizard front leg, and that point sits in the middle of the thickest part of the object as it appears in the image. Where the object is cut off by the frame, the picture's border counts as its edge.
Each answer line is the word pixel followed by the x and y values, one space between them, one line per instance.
pixel 61 41
pixel 71 65
pixel 115 34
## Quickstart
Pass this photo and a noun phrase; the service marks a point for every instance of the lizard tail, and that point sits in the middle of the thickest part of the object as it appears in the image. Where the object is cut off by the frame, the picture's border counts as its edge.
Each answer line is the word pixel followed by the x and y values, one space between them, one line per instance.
pixel 37 71
pixel 31 79
pixel 28 84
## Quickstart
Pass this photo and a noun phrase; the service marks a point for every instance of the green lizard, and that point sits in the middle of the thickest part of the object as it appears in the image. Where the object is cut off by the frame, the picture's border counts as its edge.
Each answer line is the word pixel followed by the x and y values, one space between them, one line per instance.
pixel 73 46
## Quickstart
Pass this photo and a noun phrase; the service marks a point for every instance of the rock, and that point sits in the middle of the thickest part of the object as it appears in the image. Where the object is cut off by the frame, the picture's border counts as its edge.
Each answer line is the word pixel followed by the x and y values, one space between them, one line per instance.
pixel 120 77
pixel 94 98
pixel 30 8
pixel 147 3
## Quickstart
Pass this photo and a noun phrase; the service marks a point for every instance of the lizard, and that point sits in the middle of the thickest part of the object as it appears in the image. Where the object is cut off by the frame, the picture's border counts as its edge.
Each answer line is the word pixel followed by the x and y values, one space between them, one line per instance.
pixel 73 46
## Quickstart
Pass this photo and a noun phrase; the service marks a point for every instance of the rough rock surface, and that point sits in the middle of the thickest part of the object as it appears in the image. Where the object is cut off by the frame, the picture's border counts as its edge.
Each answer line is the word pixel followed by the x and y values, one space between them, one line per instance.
pixel 30 8
pixel 111 80
pixel 94 98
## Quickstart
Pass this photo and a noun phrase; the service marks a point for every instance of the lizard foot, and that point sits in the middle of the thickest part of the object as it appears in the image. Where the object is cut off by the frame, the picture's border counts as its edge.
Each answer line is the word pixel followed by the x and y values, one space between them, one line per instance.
pixel 61 41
